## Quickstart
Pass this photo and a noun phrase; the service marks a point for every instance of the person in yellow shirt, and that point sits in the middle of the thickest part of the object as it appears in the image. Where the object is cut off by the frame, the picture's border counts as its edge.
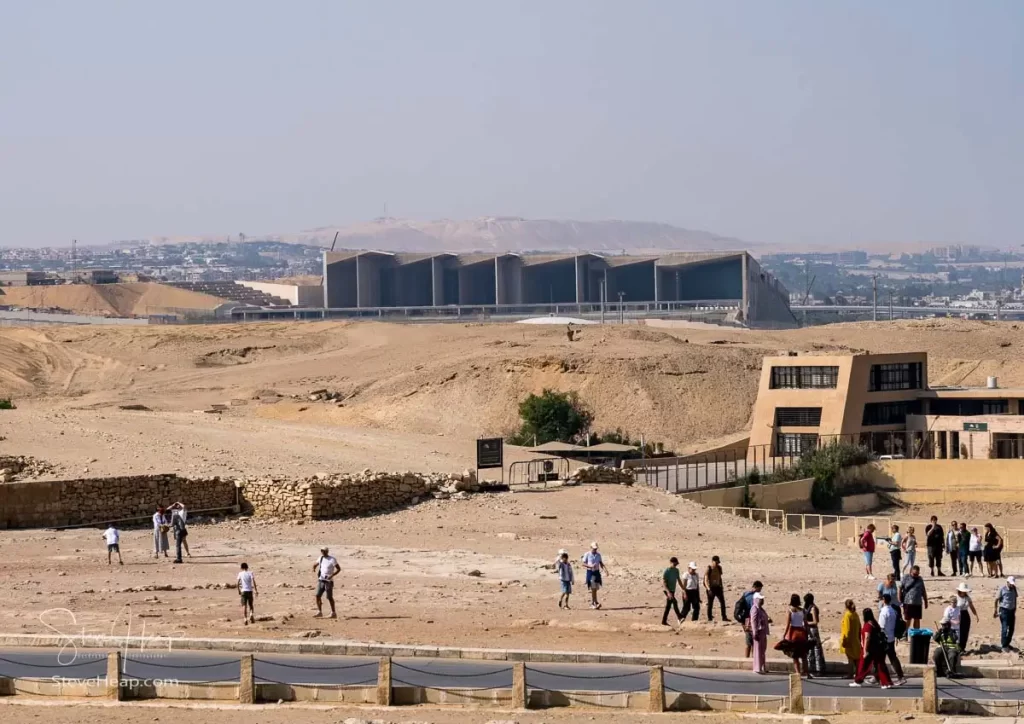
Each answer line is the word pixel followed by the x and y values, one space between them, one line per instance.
pixel 849 637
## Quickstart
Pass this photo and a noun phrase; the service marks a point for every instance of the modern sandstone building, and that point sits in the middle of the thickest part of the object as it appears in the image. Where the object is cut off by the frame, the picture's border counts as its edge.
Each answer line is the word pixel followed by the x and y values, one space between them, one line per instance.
pixel 883 401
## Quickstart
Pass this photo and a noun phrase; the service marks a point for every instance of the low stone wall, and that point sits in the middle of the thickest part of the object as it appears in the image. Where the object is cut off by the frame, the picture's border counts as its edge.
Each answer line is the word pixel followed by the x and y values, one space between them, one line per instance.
pixel 602 474
pixel 52 503
pixel 342 496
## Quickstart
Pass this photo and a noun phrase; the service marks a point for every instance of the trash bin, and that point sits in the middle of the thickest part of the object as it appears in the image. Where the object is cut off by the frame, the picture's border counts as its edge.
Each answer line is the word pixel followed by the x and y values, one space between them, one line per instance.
pixel 920 643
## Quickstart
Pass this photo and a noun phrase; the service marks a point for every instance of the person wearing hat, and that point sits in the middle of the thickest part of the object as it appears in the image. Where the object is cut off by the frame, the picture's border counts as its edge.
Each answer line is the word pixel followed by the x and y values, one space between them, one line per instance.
pixel 1006 612
pixel 594 564
pixel 670 581
pixel 759 625
pixel 965 607
pixel 691 591
pixel 326 569
pixel 946 656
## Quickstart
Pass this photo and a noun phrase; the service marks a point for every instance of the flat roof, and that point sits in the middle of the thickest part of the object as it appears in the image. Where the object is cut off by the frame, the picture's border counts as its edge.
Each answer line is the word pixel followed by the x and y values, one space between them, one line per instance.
pixel 959 393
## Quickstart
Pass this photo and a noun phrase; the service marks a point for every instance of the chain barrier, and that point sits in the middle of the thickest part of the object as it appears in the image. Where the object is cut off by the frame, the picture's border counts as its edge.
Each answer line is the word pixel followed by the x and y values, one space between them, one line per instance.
pixel 180 666
pixel 504 670
pixel 314 668
pixel 643 672
pixel 589 702
pixel 54 666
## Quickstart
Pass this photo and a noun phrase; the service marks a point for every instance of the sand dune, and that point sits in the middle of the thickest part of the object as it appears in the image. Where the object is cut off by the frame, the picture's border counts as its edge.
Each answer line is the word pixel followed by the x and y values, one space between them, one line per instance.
pixel 137 299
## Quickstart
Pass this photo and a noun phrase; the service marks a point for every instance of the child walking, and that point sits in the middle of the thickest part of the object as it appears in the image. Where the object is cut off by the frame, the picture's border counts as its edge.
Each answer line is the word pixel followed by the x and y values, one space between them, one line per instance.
pixel 113 537
pixel 565 575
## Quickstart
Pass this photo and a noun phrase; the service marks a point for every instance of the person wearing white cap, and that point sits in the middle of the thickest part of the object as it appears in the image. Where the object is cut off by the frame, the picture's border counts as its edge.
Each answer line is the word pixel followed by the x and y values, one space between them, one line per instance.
pixel 759 623
pixel 691 591
pixel 965 607
pixel 1006 612
pixel 594 564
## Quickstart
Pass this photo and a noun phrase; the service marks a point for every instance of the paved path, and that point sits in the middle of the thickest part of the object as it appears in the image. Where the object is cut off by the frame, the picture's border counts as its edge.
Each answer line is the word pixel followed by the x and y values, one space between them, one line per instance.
pixel 223 667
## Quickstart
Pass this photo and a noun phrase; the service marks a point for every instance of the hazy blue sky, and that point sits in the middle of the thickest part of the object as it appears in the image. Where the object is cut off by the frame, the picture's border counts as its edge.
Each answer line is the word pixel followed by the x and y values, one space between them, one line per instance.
pixel 792 120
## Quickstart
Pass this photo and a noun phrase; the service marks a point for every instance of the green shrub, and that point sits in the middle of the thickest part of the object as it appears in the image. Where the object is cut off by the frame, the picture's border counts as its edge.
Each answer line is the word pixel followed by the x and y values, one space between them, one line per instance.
pixel 823 464
pixel 6 404
pixel 552 416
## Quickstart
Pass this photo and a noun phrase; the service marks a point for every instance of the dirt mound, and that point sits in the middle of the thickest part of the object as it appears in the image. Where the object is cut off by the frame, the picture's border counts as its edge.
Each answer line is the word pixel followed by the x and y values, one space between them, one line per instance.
pixel 110 300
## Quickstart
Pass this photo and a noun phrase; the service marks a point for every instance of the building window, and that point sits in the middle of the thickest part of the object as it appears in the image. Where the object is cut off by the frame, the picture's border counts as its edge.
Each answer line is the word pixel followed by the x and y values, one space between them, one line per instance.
pixel 890 413
pixel 797 416
pixel 896 376
pixel 804 378
pixel 795 443
pixel 995 407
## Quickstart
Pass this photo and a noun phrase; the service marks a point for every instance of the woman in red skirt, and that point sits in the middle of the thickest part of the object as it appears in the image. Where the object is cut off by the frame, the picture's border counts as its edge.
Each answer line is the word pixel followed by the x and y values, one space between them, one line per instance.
pixel 872 657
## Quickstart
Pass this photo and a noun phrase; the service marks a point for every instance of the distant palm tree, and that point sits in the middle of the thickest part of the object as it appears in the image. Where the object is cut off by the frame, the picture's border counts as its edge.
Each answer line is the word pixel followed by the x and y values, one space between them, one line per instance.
pixel 241 237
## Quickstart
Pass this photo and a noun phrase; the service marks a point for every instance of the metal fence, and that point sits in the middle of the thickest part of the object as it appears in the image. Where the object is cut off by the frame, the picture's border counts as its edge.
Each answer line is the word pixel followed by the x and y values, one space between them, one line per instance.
pixel 537 472
pixel 714 470
pixel 839 527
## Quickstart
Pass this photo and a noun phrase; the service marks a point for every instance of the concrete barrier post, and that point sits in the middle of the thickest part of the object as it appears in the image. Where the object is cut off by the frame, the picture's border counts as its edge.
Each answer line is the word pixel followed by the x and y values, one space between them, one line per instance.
pixel 114 676
pixel 246 680
pixel 796 694
pixel 821 527
pixel 519 700
pixel 930 692
pixel 384 690
pixel 657 690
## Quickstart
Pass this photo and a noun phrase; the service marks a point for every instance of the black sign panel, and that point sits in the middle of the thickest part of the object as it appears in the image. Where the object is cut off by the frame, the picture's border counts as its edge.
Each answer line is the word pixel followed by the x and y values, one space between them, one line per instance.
pixel 490 453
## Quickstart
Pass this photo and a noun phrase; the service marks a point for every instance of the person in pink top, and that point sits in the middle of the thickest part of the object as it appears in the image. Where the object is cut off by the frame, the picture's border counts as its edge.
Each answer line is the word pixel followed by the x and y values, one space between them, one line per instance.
pixel 867 547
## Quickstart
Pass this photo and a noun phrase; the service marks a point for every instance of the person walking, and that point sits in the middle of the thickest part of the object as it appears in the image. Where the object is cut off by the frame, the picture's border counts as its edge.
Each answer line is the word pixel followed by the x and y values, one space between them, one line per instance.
pixel 794 638
pixel 691 592
pixel 965 606
pixel 113 537
pixel 910 549
pixel 1006 612
pixel 180 510
pixel 715 588
pixel 989 552
pixel 815 653
pixel 964 550
pixel 887 618
pixel 849 636
pixel 566 578
pixel 872 658
pixel 913 597
pixel 974 551
pixel 594 564
pixel 741 612
pixel 326 569
pixel 935 540
pixel 247 593
pixel 867 547
pixel 180 534
pixel 160 528
pixel 953 546
pixel 999 553
pixel 895 542
pixel 670 581
pixel 759 629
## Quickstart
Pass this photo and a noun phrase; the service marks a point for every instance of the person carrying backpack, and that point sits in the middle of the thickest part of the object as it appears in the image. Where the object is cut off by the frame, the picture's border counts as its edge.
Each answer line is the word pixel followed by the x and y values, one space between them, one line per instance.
pixel 873 647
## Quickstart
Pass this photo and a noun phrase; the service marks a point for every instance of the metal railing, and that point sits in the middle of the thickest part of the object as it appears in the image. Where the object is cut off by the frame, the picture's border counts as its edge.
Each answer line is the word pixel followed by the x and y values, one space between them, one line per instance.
pixel 715 470
pixel 537 472
pixel 832 526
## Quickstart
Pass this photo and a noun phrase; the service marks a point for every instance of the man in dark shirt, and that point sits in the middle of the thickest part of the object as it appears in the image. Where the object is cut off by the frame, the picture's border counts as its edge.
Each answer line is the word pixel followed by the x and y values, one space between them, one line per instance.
pixel 935 540
pixel 670 578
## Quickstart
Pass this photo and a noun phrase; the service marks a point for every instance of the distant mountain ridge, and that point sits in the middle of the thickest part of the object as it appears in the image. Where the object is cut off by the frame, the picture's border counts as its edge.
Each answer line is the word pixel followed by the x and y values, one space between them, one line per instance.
pixel 513 234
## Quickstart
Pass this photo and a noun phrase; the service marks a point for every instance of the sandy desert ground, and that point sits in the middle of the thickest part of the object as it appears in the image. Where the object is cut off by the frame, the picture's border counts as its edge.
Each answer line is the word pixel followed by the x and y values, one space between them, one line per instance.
pixel 415 397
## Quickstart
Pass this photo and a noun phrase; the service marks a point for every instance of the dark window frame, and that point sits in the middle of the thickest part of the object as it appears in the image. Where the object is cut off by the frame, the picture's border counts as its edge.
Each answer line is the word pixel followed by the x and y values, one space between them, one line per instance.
pixel 896 376
pixel 791 444
pixel 804 377
pixel 889 413
pixel 797 417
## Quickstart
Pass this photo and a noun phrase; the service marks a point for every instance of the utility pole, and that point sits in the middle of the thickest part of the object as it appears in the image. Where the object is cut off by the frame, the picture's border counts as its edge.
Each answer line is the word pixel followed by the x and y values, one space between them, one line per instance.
pixel 890 305
pixel 622 316
pixel 874 298
pixel 603 292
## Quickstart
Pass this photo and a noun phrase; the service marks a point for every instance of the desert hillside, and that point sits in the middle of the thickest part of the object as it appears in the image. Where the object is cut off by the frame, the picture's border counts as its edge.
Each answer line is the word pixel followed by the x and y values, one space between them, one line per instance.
pixel 684 386
pixel 138 299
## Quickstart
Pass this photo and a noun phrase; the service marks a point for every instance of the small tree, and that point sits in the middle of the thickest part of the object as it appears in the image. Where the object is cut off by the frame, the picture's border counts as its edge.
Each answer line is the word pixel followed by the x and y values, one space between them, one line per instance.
pixel 752 478
pixel 552 416
pixel 6 404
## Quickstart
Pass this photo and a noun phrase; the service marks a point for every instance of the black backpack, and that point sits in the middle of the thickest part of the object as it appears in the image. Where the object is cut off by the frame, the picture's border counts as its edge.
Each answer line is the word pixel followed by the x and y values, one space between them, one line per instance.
pixel 877 643
pixel 741 611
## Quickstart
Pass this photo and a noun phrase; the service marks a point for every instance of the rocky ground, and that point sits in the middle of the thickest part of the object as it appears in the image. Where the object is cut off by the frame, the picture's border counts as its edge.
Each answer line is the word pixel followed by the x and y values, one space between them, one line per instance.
pixel 473 572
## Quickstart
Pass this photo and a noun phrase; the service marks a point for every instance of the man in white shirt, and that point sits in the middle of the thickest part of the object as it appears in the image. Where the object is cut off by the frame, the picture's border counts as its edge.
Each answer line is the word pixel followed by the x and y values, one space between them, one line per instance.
pixel 691 591
pixel 247 592
pixel 113 537
pixel 594 564
pixel 326 569
pixel 887 621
